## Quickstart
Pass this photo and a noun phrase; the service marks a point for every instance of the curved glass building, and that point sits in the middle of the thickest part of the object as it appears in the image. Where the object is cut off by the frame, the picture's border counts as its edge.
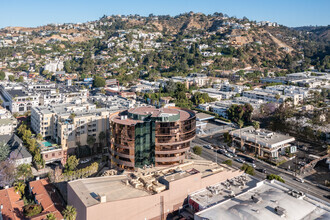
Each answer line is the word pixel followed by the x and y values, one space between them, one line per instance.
pixel 145 136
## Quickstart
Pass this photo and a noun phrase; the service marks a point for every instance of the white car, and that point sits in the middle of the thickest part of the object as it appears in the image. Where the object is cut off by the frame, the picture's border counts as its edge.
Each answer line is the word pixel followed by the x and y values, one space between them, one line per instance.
pixel 208 147
pixel 228 155
pixel 85 160
pixel 300 180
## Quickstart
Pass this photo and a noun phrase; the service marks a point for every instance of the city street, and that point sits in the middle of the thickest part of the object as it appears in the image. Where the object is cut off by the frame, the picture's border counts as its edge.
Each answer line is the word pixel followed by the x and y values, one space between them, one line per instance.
pixel 306 187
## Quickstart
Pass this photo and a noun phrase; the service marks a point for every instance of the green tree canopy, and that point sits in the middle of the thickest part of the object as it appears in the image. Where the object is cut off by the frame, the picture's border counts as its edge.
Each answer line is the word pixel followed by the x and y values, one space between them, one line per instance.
pixel 99 81
pixel 71 163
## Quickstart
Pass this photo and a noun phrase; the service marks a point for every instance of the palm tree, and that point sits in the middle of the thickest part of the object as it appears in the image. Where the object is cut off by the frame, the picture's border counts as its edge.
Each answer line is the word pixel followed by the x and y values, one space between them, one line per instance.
pixel 91 141
pixel 101 139
pixel 25 171
pixel 240 124
pixel 20 187
pixel 51 216
pixel 70 213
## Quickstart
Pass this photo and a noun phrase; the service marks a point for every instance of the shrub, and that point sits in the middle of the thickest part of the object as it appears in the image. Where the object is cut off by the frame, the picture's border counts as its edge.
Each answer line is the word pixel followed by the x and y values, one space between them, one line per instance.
pixel 228 162
pixel 248 169
pixel 197 150
pixel 32 210
pixel 275 177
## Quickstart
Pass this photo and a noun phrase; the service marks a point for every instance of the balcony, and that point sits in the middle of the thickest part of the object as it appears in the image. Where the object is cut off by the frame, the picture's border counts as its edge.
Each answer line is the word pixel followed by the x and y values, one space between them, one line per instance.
pixel 173 151
pixel 169 159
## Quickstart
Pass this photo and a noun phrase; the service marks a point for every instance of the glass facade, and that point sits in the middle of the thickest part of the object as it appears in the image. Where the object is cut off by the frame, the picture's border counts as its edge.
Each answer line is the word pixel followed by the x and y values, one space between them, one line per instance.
pixel 145 144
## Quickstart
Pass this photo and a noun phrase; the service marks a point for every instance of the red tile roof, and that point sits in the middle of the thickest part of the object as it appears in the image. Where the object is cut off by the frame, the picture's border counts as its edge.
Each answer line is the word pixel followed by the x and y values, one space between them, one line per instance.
pixel 47 198
pixel 12 206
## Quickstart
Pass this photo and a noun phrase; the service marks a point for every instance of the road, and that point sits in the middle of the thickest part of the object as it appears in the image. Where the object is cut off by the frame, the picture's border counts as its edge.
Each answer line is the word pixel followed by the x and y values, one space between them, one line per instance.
pixel 306 187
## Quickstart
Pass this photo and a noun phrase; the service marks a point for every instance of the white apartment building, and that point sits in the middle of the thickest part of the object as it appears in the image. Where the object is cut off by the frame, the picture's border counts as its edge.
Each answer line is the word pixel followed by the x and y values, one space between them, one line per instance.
pixel 20 97
pixel 17 99
pixel 271 97
pixel 8 123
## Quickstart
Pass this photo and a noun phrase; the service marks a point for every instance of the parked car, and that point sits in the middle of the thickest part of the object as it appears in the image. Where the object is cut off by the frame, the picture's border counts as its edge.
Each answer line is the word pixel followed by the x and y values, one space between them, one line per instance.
pixel 261 170
pixel 85 160
pixel 252 165
pixel 221 151
pixel 239 160
pixel 228 155
pixel 208 147
pixel 299 180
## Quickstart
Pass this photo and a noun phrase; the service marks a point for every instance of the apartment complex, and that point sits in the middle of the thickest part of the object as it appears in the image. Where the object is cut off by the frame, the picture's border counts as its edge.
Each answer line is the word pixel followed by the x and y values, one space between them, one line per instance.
pixel 271 96
pixel 264 143
pixel 21 97
pixel 18 100
pixel 70 124
pixel 8 122
pixel 147 136
pixel 152 193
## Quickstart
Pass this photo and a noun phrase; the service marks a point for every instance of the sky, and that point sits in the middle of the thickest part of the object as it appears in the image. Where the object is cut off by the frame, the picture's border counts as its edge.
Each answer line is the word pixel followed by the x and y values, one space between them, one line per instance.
pixel 32 13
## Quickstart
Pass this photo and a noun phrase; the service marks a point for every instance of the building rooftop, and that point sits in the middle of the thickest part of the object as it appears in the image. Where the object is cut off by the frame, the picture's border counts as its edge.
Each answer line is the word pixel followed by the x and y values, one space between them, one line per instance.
pixel 141 182
pixel 263 137
pixel 261 201
pixel 113 187
pixel 222 191
pixel 12 206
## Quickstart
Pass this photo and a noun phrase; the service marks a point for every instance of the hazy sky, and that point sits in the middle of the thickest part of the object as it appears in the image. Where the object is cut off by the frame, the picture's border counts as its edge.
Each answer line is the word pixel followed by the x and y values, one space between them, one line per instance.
pixel 291 13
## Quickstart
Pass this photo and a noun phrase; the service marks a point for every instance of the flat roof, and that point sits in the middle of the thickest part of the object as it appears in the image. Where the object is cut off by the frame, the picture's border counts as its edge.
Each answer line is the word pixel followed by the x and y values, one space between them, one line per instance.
pixel 263 137
pixel 271 194
pixel 112 187
pixel 203 116
pixel 116 188
pixel 222 191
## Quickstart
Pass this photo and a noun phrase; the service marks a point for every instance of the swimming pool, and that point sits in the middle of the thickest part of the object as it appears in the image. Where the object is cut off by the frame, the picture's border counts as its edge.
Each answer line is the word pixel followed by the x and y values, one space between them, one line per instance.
pixel 47 144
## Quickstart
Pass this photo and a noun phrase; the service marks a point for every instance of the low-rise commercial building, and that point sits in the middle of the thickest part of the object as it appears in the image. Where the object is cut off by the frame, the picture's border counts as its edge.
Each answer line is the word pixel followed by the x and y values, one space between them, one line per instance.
pixel 145 136
pixel 256 200
pixel 262 142
pixel 152 193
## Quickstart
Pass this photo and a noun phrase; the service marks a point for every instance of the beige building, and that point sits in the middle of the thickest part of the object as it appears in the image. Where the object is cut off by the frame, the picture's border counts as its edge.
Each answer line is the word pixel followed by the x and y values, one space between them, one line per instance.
pixel 262 142
pixel 7 122
pixel 70 125
pixel 152 193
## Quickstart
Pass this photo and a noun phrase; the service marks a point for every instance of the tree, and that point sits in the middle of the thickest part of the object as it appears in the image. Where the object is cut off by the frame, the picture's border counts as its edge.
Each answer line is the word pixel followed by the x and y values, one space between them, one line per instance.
pixel 11 78
pixel 2 75
pixel 170 86
pixel 24 171
pixel 20 79
pixel 91 141
pixel 256 125
pixel 197 150
pixel 99 81
pixel 20 187
pixel 51 216
pixel 228 162
pixel 71 163
pixel 70 213
pixel 275 177
pixel 4 151
pixel 39 137
pixel 248 169
pixel 6 173
pixel 277 97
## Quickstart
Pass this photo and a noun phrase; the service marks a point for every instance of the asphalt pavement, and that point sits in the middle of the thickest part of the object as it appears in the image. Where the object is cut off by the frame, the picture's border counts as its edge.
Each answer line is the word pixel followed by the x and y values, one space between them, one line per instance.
pixel 307 187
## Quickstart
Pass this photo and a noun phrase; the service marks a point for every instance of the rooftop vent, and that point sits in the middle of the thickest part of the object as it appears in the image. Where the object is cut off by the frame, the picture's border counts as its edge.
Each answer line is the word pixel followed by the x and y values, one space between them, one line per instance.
pixel 256 198
pixel 103 198
pixel 280 211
